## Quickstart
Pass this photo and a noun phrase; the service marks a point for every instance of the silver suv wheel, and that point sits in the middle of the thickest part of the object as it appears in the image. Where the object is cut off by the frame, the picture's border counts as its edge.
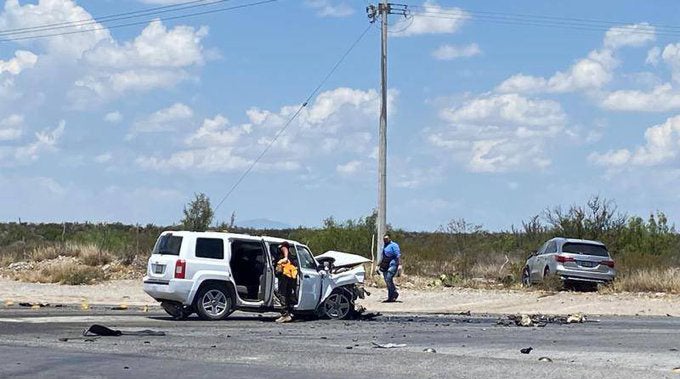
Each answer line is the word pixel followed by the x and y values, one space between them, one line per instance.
pixel 337 306
pixel 214 302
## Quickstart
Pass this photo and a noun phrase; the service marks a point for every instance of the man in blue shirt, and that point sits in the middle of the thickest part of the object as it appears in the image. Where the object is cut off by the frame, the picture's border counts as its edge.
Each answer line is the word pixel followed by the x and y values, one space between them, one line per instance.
pixel 391 259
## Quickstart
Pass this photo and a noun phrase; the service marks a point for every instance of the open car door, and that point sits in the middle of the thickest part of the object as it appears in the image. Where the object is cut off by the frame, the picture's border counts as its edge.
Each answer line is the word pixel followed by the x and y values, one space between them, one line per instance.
pixel 309 280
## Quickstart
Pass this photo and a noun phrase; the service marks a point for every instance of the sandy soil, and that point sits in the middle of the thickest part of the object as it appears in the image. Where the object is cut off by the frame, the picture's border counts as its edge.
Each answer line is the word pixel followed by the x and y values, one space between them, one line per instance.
pixel 441 300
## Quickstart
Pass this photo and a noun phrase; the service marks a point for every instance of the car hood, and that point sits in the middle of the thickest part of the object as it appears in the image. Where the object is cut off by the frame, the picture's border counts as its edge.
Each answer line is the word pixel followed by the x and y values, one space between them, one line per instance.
pixel 341 259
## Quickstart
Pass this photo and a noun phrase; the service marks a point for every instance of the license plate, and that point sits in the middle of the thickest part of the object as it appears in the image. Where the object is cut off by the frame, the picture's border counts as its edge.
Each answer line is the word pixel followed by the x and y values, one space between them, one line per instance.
pixel 157 269
pixel 586 264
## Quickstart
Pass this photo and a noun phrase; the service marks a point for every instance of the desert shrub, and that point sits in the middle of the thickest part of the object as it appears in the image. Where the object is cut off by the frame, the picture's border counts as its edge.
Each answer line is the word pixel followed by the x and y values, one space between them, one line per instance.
pixel 91 255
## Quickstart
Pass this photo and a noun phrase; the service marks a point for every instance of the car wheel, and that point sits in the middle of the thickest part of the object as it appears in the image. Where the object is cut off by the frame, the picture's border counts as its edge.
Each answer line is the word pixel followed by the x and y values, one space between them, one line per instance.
pixel 214 302
pixel 526 277
pixel 338 305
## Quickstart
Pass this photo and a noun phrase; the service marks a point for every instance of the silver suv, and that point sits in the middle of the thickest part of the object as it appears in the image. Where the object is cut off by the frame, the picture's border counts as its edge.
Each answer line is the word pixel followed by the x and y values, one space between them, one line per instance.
pixel 214 273
pixel 573 260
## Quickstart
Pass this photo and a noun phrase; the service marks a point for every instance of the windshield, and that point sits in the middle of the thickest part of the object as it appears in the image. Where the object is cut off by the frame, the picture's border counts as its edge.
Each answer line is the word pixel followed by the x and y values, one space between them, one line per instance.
pixel 167 244
pixel 585 249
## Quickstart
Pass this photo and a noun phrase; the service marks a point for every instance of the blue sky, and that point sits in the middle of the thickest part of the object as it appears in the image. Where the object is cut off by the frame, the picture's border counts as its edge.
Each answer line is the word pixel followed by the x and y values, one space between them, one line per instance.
pixel 489 121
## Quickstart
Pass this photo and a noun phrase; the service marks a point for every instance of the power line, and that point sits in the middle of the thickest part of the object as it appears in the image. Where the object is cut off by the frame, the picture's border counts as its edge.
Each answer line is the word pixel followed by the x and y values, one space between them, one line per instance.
pixel 111 17
pixel 247 5
pixel 294 116
pixel 548 21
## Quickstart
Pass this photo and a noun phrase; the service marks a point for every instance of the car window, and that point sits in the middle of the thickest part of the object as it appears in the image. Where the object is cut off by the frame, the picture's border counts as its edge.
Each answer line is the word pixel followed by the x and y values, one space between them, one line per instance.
pixel 305 258
pixel 167 244
pixel 212 248
pixel 585 249
pixel 542 249
pixel 552 248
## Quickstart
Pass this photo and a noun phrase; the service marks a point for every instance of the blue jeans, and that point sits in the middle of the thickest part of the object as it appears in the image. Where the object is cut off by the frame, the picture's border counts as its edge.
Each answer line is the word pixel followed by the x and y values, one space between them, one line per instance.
pixel 389 280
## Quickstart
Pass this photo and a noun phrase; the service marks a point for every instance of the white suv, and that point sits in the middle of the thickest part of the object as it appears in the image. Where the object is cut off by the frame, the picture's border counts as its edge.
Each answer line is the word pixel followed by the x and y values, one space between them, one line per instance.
pixel 215 273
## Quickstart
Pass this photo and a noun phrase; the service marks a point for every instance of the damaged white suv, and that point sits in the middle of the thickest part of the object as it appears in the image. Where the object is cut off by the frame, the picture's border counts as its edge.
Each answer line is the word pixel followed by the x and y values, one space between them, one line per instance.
pixel 215 273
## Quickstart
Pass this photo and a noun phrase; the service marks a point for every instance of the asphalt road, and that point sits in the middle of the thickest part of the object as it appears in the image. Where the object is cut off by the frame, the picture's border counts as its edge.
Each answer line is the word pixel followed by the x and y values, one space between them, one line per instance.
pixel 253 346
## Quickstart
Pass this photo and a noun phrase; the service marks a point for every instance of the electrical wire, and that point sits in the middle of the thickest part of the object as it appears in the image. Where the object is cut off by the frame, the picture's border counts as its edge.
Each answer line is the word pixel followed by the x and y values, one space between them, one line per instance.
pixel 241 6
pixel 111 17
pixel 295 115
pixel 547 21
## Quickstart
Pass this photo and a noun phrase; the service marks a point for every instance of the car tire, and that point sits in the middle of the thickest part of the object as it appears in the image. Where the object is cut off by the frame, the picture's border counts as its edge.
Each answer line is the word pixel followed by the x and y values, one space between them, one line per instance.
pixel 214 302
pixel 526 277
pixel 339 305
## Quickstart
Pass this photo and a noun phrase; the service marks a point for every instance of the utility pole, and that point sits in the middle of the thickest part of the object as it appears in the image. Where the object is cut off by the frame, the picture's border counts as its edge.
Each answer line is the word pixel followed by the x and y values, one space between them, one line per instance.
pixel 382 11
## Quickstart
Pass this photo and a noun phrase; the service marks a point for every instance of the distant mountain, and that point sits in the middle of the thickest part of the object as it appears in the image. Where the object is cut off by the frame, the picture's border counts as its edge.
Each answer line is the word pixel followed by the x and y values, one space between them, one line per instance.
pixel 263 223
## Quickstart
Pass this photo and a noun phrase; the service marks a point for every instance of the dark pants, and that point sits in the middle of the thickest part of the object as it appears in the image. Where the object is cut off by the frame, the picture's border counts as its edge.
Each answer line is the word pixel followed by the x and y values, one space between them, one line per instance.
pixel 287 288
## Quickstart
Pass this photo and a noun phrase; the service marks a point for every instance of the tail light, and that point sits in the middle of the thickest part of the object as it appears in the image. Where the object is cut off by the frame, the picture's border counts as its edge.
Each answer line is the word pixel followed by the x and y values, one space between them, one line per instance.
pixel 609 263
pixel 563 259
pixel 180 269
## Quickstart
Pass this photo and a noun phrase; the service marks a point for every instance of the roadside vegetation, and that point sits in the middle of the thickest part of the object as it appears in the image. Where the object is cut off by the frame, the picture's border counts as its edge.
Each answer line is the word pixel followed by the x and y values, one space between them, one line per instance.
pixel 460 253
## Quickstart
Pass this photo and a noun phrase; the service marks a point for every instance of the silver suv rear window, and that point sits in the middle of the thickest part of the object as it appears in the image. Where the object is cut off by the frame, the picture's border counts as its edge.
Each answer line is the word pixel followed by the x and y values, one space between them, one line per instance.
pixel 168 245
pixel 585 249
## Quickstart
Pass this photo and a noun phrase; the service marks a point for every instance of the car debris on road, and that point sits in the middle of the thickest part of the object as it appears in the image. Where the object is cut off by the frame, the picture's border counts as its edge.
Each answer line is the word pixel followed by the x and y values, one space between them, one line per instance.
pixel 388 345
pixel 538 320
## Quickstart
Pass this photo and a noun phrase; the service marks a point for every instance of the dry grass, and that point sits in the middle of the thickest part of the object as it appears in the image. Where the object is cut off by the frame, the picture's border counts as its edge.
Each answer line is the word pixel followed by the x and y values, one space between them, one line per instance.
pixel 64 271
pixel 91 255
pixel 649 280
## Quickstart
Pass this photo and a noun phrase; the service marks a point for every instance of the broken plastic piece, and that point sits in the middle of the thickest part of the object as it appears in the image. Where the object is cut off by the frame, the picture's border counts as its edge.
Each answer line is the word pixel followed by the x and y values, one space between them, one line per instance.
pixel 101 330
pixel 388 345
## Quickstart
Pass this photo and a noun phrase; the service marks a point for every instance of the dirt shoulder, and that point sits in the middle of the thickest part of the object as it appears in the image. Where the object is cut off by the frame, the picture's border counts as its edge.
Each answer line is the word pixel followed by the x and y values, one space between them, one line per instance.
pixel 439 300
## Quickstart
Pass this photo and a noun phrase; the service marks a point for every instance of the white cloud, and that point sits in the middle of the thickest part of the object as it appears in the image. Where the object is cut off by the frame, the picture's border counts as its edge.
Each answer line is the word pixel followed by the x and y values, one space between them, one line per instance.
pixel 46 12
pixel 113 117
pixel 661 98
pixel 156 46
pixel 499 133
pixel 165 119
pixel 634 35
pixel 103 158
pixel 45 141
pixel 11 127
pixel 662 145
pixel 429 21
pixel 330 8
pixel 21 61
pixel 653 56
pixel 348 169
pixel 450 52
pixel 589 73
pixel 339 121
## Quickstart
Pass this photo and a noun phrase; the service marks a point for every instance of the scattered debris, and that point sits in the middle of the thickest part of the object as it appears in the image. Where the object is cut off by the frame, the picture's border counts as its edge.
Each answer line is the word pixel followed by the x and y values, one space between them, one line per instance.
pixel 466 313
pixel 348 347
pixel 9 303
pixel 388 345
pixel 526 350
pixel 672 349
pixel 676 370
pixel 84 339
pixel 101 330
pixel 429 350
pixel 145 309
pixel 122 307
pixel 576 318
pixel 540 321
pixel 544 359
pixel 85 305
pixel 33 305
